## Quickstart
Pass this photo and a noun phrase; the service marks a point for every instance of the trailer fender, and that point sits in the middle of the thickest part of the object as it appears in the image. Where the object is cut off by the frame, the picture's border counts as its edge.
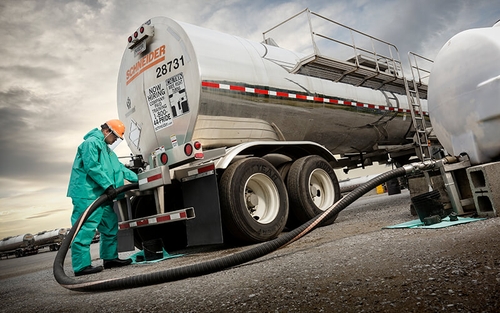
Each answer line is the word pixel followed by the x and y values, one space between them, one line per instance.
pixel 292 149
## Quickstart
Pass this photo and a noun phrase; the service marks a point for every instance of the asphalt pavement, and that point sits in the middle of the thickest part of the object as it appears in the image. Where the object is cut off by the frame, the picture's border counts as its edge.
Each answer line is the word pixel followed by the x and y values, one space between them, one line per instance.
pixel 354 265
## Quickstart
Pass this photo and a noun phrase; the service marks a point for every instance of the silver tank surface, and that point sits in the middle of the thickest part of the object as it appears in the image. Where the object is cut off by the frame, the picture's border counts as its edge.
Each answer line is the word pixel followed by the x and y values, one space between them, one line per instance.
pixel 192 83
pixel 51 236
pixel 464 93
pixel 16 242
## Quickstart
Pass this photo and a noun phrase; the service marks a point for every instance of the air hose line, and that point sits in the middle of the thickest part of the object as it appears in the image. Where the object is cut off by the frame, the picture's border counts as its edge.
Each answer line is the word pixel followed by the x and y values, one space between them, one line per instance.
pixel 211 266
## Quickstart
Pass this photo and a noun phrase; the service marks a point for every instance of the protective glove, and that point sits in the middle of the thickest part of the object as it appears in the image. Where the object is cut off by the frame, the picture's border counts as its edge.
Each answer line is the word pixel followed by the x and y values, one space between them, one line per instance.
pixel 111 192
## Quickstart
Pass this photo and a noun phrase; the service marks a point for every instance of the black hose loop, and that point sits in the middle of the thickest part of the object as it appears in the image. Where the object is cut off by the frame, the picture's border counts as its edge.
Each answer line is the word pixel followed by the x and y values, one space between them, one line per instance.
pixel 210 266
pixel 58 266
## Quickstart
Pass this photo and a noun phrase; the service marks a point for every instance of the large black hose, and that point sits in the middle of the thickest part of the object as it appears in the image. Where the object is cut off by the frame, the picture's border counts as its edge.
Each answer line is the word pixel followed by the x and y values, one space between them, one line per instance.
pixel 211 266
pixel 58 266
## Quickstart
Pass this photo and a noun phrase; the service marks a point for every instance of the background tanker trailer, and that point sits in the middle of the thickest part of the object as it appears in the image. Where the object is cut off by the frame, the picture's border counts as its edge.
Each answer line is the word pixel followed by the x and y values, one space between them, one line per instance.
pixel 50 238
pixel 464 100
pixel 235 139
pixel 464 108
pixel 20 245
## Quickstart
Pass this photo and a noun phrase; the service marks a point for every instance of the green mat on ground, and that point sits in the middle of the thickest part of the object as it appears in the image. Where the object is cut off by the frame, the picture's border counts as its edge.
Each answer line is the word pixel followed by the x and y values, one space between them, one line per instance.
pixel 444 223
pixel 140 254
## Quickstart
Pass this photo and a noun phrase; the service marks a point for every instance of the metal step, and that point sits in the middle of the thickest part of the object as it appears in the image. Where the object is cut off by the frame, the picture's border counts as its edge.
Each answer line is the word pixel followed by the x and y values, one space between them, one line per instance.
pixel 350 73
pixel 367 61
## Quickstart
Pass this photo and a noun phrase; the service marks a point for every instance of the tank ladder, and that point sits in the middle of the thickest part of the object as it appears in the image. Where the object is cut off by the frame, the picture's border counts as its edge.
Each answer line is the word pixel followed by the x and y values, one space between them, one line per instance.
pixel 413 88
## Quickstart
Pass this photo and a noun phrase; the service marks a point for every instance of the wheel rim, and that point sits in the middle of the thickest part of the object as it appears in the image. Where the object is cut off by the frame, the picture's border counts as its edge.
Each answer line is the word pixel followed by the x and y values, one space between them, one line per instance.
pixel 321 189
pixel 261 198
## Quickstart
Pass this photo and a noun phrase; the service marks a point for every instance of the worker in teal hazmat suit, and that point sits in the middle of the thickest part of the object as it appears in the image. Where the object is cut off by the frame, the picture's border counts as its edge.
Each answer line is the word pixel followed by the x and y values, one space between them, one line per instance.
pixel 96 171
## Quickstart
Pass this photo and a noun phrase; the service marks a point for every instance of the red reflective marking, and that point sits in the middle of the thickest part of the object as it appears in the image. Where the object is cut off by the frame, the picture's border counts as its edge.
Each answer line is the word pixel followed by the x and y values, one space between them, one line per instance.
pixel 209 84
pixel 142 222
pixel 183 214
pixel 206 168
pixel 261 91
pixel 238 88
pixel 163 218
pixel 154 177
pixel 282 94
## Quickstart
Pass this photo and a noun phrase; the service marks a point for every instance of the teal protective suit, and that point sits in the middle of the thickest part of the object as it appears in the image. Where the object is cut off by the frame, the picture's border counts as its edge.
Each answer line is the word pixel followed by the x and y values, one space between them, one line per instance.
pixel 95 168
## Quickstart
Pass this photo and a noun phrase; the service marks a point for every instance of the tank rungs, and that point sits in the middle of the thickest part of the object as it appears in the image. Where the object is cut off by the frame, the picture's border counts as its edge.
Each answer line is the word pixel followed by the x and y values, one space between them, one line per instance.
pixel 174 216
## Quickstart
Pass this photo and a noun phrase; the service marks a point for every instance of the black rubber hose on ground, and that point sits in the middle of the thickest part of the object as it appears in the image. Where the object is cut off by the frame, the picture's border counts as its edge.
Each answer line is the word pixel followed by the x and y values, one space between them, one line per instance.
pixel 207 267
pixel 58 266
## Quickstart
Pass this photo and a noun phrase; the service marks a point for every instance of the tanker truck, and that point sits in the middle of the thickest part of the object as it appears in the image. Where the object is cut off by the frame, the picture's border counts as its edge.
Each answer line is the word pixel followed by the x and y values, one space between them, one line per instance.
pixel 463 100
pixel 20 245
pixel 50 238
pixel 464 109
pixel 234 139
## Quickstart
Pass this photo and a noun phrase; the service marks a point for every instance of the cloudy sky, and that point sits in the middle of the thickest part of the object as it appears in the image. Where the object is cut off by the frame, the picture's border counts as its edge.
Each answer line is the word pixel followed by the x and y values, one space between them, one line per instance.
pixel 60 61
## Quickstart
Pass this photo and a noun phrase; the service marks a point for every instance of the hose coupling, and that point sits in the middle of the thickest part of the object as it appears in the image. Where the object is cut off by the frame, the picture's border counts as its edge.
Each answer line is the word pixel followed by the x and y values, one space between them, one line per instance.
pixel 418 167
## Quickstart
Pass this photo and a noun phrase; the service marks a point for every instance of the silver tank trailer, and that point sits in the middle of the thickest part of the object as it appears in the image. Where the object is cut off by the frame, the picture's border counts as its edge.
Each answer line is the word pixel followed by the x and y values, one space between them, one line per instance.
pixel 16 242
pixel 191 83
pixel 50 237
pixel 464 88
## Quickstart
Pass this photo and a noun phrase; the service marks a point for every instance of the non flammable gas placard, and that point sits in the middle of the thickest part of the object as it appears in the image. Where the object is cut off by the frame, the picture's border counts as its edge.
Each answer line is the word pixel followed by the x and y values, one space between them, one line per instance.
pixel 159 108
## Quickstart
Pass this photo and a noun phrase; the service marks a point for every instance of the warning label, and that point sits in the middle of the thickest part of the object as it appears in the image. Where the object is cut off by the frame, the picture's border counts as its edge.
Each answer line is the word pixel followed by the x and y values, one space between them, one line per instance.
pixel 134 134
pixel 177 95
pixel 160 111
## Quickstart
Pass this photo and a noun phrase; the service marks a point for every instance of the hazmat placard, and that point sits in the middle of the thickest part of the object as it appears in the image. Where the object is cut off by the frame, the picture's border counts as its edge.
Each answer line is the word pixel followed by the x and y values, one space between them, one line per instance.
pixel 160 110
pixel 177 95
pixel 134 134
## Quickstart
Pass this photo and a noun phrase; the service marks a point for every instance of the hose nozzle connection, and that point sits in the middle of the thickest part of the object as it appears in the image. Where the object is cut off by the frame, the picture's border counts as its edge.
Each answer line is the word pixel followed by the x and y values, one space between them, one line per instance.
pixel 418 167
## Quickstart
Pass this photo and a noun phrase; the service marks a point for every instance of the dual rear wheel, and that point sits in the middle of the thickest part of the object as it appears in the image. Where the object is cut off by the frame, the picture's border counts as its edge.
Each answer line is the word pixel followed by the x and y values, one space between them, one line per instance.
pixel 257 201
pixel 256 204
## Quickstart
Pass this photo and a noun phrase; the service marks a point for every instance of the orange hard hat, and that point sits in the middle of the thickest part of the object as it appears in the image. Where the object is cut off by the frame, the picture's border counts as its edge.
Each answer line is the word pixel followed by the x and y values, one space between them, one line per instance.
pixel 116 127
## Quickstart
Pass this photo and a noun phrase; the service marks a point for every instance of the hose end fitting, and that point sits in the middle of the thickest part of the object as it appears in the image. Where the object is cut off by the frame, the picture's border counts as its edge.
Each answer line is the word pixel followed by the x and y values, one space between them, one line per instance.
pixel 418 167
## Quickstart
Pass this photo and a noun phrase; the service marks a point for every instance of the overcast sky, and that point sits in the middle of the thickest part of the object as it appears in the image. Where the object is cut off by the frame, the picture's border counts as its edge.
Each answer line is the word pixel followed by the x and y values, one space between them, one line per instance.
pixel 60 59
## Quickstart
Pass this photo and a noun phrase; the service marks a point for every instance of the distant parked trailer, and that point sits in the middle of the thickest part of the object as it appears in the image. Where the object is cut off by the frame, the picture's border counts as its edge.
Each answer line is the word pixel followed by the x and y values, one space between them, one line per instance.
pixel 20 245
pixel 51 239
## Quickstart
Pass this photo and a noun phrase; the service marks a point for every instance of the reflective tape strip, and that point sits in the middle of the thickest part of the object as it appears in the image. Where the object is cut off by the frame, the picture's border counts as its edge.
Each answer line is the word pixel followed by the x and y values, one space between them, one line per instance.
pixel 154 220
pixel 201 170
pixel 154 177
pixel 302 97
pixel 149 179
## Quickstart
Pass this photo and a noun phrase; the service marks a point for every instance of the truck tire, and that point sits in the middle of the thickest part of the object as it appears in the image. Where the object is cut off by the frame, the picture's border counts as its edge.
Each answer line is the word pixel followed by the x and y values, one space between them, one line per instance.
pixel 312 188
pixel 283 169
pixel 254 201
